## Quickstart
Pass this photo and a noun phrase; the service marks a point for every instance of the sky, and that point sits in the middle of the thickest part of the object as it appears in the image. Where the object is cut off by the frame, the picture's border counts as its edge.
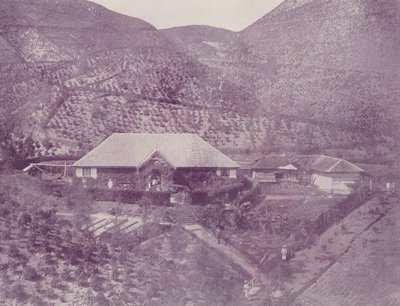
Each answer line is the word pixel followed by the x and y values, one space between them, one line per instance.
pixel 234 15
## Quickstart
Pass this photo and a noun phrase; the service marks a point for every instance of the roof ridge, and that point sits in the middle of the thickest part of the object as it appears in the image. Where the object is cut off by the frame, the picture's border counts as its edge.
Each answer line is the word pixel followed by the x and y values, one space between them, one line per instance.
pixel 331 168
pixel 154 151
pixel 350 163
pixel 144 133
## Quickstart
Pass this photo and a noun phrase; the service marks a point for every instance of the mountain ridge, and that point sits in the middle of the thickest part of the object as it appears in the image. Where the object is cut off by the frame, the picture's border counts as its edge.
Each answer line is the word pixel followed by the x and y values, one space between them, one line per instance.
pixel 70 88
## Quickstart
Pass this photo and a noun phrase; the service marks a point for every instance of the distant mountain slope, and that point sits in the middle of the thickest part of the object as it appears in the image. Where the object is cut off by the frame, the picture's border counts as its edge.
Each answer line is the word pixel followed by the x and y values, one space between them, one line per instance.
pixel 360 35
pixel 57 30
pixel 73 72
pixel 202 42
pixel 338 60
pixel 326 60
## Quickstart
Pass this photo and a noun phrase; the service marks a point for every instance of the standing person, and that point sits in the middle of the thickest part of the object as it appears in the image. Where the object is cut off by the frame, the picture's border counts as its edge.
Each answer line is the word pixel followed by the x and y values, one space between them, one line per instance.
pixel 388 186
pixel 218 233
pixel 224 236
pixel 246 288
pixel 284 252
pixel 110 184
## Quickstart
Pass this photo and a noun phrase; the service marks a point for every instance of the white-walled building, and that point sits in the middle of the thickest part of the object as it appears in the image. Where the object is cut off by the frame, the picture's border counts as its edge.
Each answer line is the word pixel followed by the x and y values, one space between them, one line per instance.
pixel 331 174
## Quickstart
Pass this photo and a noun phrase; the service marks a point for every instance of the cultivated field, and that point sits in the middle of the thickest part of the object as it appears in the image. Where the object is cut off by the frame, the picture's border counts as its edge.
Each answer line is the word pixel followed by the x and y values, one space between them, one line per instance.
pixel 49 258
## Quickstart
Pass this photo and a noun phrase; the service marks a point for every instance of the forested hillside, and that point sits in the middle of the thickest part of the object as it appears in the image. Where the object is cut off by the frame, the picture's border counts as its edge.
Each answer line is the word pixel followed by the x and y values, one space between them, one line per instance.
pixel 308 76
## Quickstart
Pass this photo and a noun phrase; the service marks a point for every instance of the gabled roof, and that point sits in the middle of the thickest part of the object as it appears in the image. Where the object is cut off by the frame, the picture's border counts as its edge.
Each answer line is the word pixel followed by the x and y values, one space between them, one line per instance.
pixel 245 165
pixel 288 167
pixel 123 150
pixel 272 162
pixel 327 164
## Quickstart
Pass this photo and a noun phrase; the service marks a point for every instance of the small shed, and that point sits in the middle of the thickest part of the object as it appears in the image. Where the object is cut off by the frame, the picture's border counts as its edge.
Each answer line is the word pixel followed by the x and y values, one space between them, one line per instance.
pixel 49 170
pixel 274 168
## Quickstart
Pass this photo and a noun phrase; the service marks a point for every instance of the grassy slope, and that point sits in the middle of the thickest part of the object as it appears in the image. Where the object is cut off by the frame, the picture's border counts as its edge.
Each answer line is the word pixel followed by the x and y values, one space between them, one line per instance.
pixel 366 274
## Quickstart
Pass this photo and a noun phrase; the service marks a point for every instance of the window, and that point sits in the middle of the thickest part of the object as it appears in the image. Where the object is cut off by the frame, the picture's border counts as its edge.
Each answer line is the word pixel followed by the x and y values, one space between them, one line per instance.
pixel 87 172
pixel 224 172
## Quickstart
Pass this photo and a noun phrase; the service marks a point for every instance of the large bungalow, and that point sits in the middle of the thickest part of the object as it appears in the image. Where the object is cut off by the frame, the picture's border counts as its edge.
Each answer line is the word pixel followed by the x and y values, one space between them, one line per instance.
pixel 151 161
pixel 331 174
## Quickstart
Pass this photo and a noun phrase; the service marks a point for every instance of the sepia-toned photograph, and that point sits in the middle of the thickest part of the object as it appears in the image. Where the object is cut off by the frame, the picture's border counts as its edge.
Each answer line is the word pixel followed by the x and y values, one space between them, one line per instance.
pixel 199 152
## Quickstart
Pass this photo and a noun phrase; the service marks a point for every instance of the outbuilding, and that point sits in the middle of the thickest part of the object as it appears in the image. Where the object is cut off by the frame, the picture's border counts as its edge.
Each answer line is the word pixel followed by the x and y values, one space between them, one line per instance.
pixel 331 174
pixel 274 168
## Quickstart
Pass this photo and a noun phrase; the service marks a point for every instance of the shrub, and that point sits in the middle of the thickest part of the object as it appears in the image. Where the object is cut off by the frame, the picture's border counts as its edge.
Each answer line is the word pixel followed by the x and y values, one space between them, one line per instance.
pixel 30 274
pixel 66 275
pixel 6 234
pixel 13 251
pixel 102 300
pixel 18 293
pixel 131 196
pixel 37 301
pixel 97 283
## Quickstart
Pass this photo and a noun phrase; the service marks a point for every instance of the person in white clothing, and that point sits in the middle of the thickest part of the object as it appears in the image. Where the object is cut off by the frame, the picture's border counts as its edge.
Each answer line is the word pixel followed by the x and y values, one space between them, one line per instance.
pixel 110 184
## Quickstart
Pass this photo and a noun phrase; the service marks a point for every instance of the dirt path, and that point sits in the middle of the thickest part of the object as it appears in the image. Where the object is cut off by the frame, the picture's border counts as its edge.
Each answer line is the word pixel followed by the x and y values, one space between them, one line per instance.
pixel 285 197
pixel 259 294
pixel 204 235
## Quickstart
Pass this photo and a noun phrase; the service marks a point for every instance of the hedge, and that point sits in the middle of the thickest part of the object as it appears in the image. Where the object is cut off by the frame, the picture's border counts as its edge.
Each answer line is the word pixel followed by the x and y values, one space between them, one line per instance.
pixel 338 212
pixel 209 195
pixel 131 196
pixel 60 189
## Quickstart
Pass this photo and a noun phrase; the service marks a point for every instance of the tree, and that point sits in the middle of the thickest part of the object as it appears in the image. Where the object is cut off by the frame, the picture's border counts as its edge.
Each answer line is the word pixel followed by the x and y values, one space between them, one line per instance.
pixel 15 148
pixel 278 125
pixel 18 292
pixel 269 142
pixel 80 202
pixel 30 273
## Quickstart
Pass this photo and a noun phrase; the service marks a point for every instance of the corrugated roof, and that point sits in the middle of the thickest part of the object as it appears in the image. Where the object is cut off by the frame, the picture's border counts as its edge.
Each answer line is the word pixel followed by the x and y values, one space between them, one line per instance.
pixel 325 163
pixel 131 149
pixel 345 166
pixel 271 162
pixel 245 165
pixel 266 177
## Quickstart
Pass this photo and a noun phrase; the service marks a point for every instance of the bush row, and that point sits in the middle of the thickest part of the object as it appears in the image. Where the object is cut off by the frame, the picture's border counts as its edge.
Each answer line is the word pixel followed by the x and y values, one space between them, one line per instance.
pixel 131 196
pixel 338 211
pixel 114 195
pixel 217 193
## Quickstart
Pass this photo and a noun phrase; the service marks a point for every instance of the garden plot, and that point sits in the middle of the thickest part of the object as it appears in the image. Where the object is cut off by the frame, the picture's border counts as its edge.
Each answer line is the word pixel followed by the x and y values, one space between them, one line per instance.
pixel 100 223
